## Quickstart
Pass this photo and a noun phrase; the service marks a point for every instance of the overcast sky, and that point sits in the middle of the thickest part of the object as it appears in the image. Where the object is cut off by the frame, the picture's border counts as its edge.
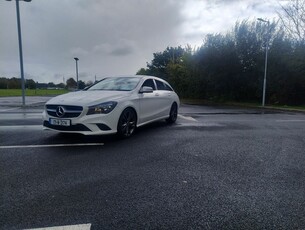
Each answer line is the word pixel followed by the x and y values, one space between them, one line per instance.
pixel 110 37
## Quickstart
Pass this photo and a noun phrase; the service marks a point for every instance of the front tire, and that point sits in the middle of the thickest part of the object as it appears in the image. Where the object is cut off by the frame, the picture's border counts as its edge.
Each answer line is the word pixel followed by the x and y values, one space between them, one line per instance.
pixel 127 123
pixel 173 114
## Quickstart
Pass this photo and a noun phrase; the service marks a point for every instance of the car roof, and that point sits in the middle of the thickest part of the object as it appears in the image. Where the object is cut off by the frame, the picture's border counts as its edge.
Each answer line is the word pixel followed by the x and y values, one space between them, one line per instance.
pixel 138 76
pixel 142 77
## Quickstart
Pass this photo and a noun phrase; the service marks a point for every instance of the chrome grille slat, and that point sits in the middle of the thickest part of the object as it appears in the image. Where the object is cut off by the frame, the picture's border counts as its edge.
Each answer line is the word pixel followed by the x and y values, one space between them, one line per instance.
pixel 71 111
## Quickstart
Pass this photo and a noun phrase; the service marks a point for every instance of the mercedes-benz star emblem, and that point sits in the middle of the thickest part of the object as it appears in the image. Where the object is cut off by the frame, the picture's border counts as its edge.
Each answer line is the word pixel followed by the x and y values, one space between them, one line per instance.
pixel 60 111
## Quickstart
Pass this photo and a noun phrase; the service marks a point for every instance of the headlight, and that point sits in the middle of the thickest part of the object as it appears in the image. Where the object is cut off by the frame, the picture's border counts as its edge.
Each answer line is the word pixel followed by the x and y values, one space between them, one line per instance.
pixel 103 108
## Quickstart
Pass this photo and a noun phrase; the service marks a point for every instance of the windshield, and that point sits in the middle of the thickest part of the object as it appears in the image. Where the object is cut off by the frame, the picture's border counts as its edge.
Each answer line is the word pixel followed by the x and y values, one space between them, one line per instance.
pixel 116 84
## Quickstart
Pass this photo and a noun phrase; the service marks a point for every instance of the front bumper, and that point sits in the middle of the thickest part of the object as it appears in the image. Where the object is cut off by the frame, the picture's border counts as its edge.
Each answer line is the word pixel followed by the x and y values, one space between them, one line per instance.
pixel 98 124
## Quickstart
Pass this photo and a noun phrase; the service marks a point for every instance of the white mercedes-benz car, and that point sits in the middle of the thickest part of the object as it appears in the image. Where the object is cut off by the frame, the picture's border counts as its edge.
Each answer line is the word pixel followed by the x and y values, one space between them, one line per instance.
pixel 112 105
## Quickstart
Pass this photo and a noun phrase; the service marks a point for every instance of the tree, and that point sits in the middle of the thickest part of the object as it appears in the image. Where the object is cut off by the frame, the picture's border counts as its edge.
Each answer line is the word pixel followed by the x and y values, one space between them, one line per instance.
pixel 71 83
pixel 51 85
pixel 230 67
pixel 143 71
pixel 81 84
pixel 14 83
pixel 292 17
pixel 30 84
pixel 158 65
pixel 3 83
pixel 183 75
pixel 61 85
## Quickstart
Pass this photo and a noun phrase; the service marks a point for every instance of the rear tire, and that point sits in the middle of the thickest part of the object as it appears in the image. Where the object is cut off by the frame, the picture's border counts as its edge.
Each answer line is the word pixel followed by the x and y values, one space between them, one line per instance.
pixel 127 123
pixel 173 114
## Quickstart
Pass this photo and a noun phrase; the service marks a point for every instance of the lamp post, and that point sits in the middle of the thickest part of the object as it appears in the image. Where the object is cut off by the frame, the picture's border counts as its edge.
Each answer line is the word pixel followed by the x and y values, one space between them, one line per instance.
pixel 76 60
pixel 266 60
pixel 20 49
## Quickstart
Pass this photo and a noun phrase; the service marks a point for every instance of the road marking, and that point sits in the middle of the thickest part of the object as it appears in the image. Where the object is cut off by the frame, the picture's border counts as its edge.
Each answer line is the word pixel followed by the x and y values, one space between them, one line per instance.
pixel 49 146
pixel 187 118
pixel 5 110
pixel 20 116
pixel 66 227
pixel 14 127
pixel 205 124
pixel 290 120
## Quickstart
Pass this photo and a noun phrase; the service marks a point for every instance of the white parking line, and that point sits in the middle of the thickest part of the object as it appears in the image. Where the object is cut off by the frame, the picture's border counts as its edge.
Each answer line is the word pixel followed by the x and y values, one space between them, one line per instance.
pixel 6 110
pixel 18 127
pixel 66 227
pixel 50 146
pixel 187 118
pixel 290 120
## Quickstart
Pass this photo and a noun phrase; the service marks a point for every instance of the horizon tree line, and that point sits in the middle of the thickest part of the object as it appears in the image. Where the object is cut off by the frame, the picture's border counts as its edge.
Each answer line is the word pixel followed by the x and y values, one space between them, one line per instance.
pixel 230 66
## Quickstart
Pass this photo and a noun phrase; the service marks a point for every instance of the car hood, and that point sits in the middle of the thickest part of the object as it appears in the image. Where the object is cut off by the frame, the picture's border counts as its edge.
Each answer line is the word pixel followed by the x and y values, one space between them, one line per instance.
pixel 87 98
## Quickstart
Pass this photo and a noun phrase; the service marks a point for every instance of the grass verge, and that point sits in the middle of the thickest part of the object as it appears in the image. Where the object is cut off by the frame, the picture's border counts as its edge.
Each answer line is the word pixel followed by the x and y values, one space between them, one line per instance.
pixel 243 104
pixel 31 92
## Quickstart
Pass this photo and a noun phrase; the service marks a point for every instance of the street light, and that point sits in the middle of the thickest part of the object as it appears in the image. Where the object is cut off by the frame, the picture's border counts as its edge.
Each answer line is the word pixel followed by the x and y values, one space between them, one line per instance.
pixel 76 59
pixel 20 49
pixel 266 60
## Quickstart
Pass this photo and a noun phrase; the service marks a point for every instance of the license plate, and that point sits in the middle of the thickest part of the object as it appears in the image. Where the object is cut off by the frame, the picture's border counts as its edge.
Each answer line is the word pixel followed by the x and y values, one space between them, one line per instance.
pixel 60 122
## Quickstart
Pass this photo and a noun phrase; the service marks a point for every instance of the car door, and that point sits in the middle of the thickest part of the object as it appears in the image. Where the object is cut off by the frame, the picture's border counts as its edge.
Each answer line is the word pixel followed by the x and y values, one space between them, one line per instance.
pixel 165 98
pixel 148 103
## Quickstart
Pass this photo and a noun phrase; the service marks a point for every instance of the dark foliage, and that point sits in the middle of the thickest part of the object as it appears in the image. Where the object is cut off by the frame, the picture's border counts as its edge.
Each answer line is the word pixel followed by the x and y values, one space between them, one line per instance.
pixel 230 67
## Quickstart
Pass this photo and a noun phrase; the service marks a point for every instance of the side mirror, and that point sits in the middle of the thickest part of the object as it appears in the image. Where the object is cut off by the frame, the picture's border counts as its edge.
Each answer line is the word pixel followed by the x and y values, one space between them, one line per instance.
pixel 146 89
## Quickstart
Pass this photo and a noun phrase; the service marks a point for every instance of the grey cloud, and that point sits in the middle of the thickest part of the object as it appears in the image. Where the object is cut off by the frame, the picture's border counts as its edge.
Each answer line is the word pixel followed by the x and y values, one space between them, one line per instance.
pixel 120 47
pixel 94 30
pixel 121 51
pixel 109 37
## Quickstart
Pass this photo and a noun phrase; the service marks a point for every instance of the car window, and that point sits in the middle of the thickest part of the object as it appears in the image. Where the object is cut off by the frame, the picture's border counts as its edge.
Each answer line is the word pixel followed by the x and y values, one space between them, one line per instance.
pixel 163 86
pixel 116 84
pixel 149 83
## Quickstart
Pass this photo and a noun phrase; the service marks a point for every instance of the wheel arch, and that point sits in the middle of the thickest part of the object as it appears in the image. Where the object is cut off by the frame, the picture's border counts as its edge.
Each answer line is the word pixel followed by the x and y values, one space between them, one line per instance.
pixel 130 107
pixel 174 103
pixel 172 117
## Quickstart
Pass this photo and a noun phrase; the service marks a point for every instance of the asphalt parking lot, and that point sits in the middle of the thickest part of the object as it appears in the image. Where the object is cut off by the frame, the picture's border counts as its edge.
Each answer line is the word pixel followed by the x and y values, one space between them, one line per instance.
pixel 216 168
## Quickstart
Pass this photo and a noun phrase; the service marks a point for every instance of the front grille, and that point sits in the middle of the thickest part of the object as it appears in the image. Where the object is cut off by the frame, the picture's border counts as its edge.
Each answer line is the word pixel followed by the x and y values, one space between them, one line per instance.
pixel 77 127
pixel 70 111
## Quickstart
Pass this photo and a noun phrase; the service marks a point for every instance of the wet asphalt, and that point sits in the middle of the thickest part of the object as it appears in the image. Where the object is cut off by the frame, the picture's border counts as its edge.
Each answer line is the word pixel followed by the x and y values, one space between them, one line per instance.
pixel 216 168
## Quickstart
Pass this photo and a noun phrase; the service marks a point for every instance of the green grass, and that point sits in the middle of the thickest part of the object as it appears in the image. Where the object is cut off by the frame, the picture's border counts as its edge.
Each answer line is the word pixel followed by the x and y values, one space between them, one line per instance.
pixel 242 104
pixel 31 92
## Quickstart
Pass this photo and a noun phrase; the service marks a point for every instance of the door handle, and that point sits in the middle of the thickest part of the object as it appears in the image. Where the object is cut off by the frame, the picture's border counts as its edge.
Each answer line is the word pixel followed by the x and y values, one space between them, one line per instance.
pixel 156 94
